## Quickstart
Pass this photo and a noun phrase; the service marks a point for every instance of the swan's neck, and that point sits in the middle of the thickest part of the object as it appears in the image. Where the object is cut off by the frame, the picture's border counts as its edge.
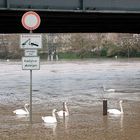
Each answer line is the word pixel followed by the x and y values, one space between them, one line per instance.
pixel 66 109
pixel 121 108
pixel 26 109
pixel 53 114
pixel 104 88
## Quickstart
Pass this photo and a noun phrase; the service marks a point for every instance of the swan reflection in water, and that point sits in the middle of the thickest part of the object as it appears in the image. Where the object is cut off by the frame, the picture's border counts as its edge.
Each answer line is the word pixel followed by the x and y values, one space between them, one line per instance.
pixel 113 123
pixel 117 116
pixel 50 121
pixel 52 126
pixel 66 121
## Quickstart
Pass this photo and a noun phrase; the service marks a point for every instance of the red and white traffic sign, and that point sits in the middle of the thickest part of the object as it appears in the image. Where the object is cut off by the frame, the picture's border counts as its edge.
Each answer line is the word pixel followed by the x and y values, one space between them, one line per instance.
pixel 31 20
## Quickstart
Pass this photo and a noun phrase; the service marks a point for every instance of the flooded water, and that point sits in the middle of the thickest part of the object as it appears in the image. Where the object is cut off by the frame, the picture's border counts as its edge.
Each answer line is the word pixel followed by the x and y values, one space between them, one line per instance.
pixel 80 84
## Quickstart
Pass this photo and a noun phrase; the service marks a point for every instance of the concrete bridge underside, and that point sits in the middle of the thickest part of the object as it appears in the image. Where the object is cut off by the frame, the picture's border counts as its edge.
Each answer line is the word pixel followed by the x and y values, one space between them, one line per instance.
pixel 73 22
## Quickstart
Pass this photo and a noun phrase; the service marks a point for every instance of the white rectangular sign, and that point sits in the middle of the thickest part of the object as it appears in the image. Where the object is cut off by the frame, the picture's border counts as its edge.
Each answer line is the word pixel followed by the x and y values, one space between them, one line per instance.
pixel 30 41
pixel 30 52
pixel 30 63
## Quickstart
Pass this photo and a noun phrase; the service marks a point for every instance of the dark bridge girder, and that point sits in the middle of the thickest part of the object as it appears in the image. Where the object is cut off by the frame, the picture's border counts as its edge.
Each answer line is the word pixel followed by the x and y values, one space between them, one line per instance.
pixel 72 22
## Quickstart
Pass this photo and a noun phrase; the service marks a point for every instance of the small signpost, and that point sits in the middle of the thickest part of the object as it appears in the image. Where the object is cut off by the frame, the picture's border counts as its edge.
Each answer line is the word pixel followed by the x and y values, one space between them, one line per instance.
pixel 30 42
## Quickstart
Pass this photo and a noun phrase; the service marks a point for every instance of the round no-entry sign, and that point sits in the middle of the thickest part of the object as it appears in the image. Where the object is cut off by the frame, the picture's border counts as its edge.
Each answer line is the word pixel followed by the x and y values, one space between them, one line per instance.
pixel 30 20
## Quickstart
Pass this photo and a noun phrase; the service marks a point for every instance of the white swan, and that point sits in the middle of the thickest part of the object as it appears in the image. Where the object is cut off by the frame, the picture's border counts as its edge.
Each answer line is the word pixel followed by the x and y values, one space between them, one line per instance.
pixel 50 119
pixel 116 111
pixel 64 112
pixel 21 111
pixel 109 90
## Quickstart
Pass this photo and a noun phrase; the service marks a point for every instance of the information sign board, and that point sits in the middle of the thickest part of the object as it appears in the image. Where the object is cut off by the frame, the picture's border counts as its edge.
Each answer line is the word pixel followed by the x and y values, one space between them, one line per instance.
pixel 31 41
pixel 30 63
pixel 30 52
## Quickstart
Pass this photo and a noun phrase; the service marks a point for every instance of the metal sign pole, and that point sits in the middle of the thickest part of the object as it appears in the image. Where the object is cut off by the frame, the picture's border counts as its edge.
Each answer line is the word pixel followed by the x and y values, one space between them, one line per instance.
pixel 30 92
pixel 30 96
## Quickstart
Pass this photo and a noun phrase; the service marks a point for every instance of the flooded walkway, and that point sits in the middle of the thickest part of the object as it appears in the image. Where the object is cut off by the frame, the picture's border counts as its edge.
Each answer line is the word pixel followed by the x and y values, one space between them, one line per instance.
pixel 80 84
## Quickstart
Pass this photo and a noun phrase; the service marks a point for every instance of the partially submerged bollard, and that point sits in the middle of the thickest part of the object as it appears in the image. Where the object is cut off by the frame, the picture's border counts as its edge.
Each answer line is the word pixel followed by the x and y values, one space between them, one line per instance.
pixel 104 106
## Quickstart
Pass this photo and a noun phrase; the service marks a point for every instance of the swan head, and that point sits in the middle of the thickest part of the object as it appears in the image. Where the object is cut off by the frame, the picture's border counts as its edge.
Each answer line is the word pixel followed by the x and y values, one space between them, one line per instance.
pixel 121 101
pixel 65 103
pixel 26 105
pixel 54 110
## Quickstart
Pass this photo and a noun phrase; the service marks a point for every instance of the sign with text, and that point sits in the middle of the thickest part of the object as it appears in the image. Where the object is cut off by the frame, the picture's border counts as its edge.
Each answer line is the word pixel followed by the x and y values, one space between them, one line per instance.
pixel 30 52
pixel 30 63
pixel 31 41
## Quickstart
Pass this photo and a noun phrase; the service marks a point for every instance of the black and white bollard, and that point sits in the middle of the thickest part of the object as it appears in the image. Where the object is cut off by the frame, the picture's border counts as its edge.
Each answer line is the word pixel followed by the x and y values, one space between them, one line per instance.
pixel 104 106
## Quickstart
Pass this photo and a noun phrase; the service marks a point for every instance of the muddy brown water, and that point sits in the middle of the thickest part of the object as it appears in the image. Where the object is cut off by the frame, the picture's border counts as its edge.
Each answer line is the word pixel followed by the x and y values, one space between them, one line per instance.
pixel 80 84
